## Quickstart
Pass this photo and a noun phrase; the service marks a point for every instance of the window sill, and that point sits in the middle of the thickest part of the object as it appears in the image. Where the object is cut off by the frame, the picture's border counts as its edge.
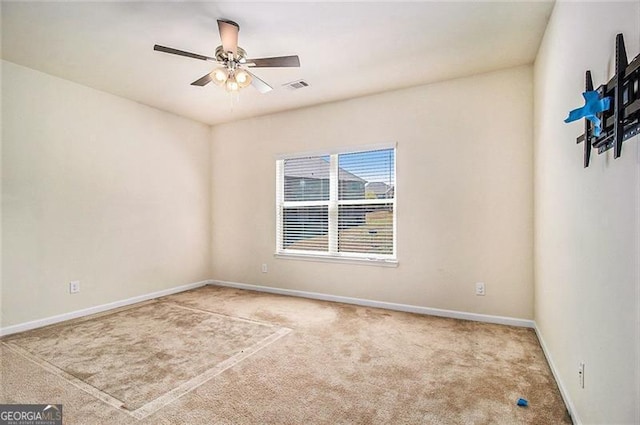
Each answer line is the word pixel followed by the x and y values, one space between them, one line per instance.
pixel 333 259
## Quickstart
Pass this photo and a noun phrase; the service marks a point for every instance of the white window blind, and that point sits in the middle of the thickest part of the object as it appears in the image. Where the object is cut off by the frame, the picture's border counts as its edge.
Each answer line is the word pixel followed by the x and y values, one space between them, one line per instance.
pixel 338 205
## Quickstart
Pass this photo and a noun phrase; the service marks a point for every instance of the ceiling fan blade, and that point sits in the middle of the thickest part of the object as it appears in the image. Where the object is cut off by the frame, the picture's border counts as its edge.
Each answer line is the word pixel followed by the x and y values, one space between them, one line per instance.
pixel 277 62
pixel 259 84
pixel 229 35
pixel 203 81
pixel 182 53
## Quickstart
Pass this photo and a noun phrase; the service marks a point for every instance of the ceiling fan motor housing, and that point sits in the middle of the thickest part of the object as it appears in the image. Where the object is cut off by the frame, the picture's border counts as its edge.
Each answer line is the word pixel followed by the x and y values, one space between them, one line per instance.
pixel 224 57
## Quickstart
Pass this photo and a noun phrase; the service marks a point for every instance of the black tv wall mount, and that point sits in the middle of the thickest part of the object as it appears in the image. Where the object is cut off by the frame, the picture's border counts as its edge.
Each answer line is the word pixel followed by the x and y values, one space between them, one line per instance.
pixel 621 120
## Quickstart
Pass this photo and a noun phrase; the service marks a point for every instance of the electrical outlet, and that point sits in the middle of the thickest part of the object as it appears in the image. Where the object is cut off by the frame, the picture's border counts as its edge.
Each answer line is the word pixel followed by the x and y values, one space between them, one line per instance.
pixel 480 288
pixel 581 374
pixel 74 286
pixel 264 268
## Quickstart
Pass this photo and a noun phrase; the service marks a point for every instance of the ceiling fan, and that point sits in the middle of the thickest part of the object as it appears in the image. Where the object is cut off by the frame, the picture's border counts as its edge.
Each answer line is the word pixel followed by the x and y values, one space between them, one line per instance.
pixel 232 72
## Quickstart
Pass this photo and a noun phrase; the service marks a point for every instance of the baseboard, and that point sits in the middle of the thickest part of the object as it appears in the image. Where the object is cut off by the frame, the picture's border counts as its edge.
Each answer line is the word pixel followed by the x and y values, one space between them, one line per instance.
pixel 21 327
pixel 511 321
pixel 563 390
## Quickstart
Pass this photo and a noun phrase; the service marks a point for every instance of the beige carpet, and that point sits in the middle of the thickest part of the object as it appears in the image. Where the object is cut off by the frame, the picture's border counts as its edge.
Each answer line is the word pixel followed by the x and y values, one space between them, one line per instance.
pixel 140 359
pixel 225 356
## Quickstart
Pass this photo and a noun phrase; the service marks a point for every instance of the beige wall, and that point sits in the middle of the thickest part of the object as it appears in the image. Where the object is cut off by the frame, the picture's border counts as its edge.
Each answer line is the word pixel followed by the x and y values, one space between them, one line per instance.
pixel 98 189
pixel 464 175
pixel 587 230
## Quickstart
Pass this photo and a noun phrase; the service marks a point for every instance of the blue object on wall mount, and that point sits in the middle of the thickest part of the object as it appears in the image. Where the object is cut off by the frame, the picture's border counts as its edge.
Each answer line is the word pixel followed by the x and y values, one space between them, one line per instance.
pixel 612 111
pixel 592 106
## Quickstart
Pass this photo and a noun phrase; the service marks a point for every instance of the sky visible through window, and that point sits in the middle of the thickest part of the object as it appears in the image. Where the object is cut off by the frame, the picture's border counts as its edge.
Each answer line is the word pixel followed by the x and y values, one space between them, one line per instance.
pixel 372 166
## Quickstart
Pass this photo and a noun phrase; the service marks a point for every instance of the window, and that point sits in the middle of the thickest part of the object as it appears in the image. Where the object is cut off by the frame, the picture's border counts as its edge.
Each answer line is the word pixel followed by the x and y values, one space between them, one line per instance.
pixel 338 205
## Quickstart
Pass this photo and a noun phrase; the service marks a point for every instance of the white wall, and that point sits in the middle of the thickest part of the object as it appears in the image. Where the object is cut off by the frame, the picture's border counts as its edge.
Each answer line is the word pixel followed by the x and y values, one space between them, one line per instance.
pixel 464 176
pixel 98 189
pixel 587 298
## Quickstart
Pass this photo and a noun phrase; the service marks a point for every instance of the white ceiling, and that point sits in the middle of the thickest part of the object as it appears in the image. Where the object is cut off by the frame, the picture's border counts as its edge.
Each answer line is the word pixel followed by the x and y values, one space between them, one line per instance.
pixel 345 49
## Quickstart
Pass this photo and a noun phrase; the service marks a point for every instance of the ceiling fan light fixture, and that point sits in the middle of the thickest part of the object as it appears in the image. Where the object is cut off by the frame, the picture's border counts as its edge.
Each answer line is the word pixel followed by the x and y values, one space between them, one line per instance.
pixel 232 85
pixel 220 76
pixel 243 78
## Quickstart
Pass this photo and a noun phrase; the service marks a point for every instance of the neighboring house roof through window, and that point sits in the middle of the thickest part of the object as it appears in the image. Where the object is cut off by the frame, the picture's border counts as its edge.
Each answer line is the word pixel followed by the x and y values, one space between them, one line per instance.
pixel 315 168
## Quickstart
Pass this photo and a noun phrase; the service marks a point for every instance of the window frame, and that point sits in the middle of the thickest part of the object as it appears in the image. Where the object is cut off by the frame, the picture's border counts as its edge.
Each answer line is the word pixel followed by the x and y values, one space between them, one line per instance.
pixel 333 204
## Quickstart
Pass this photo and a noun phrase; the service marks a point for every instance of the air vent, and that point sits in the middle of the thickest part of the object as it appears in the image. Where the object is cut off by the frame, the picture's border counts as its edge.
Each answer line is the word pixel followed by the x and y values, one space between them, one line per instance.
pixel 296 85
